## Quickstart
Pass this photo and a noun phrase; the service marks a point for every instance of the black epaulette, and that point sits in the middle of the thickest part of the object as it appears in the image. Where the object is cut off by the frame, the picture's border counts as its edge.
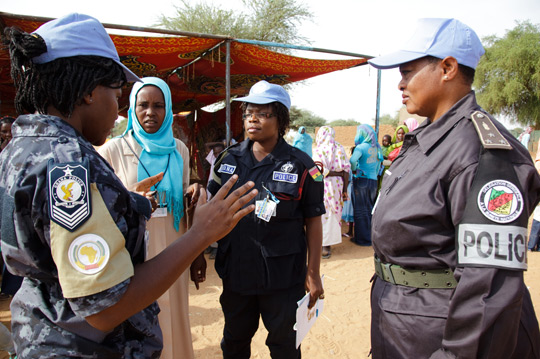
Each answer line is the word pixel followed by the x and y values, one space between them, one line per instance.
pixel 489 135
pixel 218 160
pixel 222 154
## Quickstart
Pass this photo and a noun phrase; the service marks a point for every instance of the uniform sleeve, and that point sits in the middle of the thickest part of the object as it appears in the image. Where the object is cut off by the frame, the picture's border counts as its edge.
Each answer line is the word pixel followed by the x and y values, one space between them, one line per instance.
pixel 485 310
pixel 313 197
pixel 92 258
pixel 214 182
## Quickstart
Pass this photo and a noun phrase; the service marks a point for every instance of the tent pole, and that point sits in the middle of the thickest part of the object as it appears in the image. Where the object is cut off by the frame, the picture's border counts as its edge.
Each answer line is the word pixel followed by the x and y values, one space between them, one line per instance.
pixel 378 106
pixel 228 91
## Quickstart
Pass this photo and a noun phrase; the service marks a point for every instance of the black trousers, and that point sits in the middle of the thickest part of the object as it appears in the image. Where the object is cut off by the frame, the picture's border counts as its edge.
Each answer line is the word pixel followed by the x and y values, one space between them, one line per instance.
pixel 278 312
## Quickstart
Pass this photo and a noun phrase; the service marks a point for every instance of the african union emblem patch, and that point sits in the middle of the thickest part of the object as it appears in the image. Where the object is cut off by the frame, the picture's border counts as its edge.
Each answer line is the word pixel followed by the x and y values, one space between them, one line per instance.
pixel 500 201
pixel 69 197
pixel 89 253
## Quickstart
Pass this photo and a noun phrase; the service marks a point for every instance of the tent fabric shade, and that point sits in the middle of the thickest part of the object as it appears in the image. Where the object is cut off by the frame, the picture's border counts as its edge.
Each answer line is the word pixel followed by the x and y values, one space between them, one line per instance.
pixel 201 82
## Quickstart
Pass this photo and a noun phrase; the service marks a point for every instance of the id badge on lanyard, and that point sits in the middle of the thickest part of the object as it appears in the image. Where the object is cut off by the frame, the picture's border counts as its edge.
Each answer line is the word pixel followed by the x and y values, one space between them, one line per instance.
pixel 266 208
pixel 161 211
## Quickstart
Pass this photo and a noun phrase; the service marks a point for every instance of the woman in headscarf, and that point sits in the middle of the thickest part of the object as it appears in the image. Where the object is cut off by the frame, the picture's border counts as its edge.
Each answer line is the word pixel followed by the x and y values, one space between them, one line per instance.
pixel 336 177
pixel 397 142
pixel 525 136
pixel 146 148
pixel 411 123
pixel 303 141
pixel 365 164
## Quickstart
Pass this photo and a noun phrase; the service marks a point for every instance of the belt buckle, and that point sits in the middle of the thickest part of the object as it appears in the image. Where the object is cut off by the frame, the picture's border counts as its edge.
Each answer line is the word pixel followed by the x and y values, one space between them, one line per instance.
pixel 388 272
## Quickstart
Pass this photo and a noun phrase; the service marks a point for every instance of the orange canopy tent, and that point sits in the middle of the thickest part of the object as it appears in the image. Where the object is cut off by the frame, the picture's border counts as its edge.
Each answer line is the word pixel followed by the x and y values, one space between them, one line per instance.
pixel 200 69
pixel 193 66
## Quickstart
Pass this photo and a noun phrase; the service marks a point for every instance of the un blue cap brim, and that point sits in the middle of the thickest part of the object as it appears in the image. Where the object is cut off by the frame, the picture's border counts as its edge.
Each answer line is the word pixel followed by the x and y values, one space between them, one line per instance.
pixel 395 59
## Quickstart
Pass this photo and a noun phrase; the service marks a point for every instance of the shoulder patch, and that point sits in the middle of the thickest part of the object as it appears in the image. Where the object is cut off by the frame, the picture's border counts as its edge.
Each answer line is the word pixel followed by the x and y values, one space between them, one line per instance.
pixel 492 245
pixel 316 174
pixel 89 253
pixel 225 168
pixel 487 132
pixel 69 196
pixel 500 201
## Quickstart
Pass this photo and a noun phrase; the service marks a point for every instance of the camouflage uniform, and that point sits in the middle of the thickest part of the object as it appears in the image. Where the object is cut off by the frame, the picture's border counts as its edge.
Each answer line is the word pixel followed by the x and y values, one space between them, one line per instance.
pixel 47 314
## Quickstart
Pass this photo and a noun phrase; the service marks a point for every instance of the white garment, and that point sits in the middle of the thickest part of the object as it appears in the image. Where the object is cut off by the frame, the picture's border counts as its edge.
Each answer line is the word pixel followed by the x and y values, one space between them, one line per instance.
pixel 331 226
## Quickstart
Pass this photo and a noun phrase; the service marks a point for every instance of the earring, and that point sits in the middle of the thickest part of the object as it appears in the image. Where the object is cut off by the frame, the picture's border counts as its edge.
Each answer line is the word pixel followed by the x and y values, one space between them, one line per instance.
pixel 445 77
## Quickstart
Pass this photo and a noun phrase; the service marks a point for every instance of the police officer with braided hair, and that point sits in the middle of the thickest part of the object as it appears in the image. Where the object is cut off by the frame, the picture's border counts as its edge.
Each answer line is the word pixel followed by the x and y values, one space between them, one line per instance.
pixel 262 262
pixel 449 228
pixel 68 225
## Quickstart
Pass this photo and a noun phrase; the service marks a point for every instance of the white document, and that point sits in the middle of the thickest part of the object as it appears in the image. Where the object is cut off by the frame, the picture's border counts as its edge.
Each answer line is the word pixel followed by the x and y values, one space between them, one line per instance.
pixel 305 318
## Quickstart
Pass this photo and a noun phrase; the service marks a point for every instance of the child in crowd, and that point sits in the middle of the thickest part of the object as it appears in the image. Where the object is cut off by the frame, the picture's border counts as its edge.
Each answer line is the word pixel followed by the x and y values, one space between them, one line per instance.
pixel 386 142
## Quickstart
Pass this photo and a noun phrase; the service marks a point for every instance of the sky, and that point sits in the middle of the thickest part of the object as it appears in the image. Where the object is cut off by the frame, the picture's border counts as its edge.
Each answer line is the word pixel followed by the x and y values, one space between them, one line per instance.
pixel 374 27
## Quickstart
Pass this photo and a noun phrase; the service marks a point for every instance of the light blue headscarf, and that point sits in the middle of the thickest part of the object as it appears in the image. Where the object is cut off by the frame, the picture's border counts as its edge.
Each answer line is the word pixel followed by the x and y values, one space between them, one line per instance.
pixel 303 141
pixel 159 152
pixel 366 134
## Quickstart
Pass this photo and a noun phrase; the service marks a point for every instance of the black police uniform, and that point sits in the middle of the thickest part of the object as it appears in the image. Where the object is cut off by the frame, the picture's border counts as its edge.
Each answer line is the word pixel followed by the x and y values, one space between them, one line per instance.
pixel 263 264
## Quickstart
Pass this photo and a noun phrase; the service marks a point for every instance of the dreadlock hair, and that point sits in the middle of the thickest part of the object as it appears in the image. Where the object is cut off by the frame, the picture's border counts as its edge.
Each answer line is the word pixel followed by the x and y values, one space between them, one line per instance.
pixel 61 83
pixel 282 114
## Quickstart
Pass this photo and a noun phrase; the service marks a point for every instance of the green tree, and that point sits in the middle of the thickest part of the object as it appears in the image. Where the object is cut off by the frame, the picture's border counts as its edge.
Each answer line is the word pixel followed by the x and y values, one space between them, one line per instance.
pixel 349 122
pixel 300 117
pixel 264 20
pixel 119 127
pixel 508 75
pixel 389 120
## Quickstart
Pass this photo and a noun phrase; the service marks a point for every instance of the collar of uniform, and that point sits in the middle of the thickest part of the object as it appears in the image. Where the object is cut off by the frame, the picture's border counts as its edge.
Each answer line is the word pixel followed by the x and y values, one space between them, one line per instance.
pixel 430 133
pixel 280 152
pixel 43 126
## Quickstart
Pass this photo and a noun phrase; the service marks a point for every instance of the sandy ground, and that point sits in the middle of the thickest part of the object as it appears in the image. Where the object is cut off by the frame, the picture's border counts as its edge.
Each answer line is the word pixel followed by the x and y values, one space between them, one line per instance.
pixel 342 331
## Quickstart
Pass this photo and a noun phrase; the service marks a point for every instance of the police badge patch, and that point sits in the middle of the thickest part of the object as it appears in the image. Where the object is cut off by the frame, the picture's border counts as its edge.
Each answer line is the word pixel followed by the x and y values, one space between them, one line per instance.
pixel 500 201
pixel 69 197
pixel 287 167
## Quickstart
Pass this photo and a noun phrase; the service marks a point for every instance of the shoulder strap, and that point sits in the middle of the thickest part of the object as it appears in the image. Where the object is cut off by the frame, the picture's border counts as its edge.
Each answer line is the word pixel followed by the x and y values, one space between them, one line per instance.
pixel 489 135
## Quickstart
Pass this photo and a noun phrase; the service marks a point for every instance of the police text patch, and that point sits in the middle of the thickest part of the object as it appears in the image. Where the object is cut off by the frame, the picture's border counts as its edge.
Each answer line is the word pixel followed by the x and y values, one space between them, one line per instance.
pixel 285 177
pixel 69 198
pixel 224 168
pixel 490 245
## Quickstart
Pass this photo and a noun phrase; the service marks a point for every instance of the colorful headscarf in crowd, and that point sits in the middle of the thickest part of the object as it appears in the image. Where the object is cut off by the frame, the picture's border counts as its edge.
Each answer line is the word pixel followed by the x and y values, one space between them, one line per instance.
pixel 333 157
pixel 303 141
pixel 159 153
pixel 394 139
pixel 366 134
pixel 411 123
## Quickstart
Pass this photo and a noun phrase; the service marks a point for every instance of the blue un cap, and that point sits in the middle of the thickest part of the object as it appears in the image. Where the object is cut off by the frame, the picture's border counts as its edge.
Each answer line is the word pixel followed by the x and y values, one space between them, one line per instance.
pixel 264 92
pixel 438 38
pixel 76 35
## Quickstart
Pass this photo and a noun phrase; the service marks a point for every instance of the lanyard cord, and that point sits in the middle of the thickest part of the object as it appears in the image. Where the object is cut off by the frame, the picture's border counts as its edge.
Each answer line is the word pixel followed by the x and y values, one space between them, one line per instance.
pixel 142 164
